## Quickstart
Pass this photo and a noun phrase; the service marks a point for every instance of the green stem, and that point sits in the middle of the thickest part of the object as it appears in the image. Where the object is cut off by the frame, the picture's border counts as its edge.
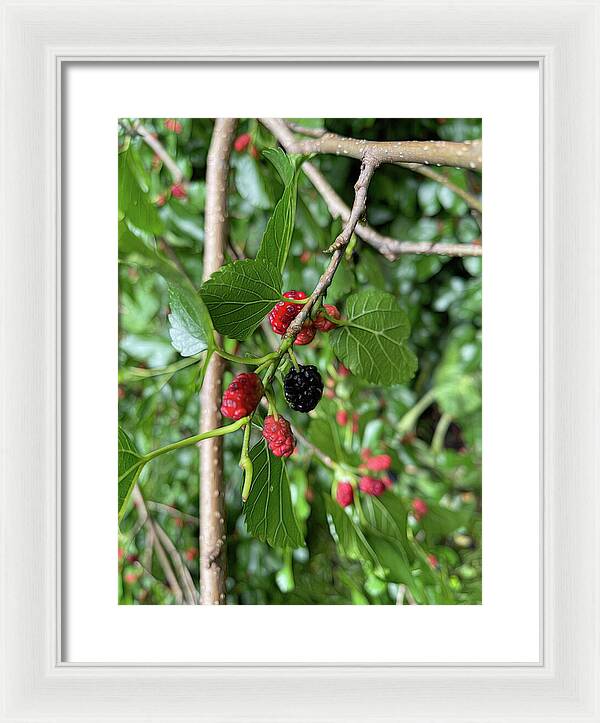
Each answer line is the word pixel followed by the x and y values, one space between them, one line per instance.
pixel 439 436
pixel 218 432
pixel 246 463
pixel 409 420
pixel 252 360
pixel 139 373
pixel 293 358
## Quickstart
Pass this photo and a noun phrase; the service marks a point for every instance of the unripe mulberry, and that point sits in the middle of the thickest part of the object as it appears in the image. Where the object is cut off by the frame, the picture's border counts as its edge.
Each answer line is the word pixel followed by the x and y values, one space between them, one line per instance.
pixel 344 494
pixel 283 313
pixel 242 396
pixel 379 462
pixel 278 434
pixel 322 323
pixel 420 508
pixel 371 486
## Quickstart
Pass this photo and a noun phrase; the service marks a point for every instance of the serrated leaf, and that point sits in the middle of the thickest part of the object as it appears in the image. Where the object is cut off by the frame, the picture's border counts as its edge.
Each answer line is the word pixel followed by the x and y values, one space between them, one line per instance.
pixel 134 202
pixel 191 329
pixel 130 463
pixel 239 296
pixel 268 511
pixel 372 344
pixel 276 240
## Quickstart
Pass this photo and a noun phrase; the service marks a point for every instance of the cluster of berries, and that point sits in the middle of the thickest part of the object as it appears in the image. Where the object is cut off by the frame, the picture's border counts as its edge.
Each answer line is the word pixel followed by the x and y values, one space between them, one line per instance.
pixel 177 190
pixel 285 312
pixel 302 387
pixel 367 484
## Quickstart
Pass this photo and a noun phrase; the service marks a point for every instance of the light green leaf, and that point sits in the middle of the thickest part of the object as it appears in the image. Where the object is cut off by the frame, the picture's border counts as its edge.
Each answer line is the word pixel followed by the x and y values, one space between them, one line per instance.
pixel 387 515
pixel 373 342
pixel 250 184
pixel 325 435
pixel 275 244
pixel 134 203
pixel 268 511
pixel 130 463
pixel 239 296
pixel 191 329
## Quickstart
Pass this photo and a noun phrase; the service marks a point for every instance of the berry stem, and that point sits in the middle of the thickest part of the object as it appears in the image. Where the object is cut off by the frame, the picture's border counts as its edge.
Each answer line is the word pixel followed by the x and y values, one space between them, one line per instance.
pixel 218 432
pixel 294 360
pixel 246 462
pixel 250 360
pixel 272 405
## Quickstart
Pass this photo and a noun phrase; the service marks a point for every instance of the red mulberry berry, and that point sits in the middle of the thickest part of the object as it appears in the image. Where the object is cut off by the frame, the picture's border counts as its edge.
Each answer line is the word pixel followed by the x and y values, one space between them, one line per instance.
pixel 344 494
pixel 365 454
pixel 379 462
pixel 278 434
pixel 178 190
pixel 241 142
pixel 342 370
pixel 371 486
pixel 306 334
pixel 242 396
pixel 433 561
pixel 282 315
pixel 171 124
pixel 420 508
pixel 341 417
pixel 324 324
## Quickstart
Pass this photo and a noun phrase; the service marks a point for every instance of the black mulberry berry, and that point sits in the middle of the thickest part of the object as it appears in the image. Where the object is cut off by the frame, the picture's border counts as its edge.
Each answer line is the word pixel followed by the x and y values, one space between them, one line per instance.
pixel 303 388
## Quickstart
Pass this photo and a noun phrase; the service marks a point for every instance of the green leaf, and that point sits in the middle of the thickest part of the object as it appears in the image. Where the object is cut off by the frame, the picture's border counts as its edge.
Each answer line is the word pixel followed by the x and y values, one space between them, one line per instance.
pixel 324 435
pixel 250 183
pixel 275 244
pixel 239 296
pixel 191 329
pixel 387 515
pixel 372 342
pixel 134 203
pixel 268 511
pixel 130 463
pixel 351 540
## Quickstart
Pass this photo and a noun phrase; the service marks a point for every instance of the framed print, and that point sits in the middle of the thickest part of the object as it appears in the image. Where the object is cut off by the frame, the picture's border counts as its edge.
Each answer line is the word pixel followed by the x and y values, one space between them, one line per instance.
pixel 353 440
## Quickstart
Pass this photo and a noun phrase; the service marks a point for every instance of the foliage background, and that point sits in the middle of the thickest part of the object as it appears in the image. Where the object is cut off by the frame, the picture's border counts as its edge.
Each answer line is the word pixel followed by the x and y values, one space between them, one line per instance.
pixel 443 299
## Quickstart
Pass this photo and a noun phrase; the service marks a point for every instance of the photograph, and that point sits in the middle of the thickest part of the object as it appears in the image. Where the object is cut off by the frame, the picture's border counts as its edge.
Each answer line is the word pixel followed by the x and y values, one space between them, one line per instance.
pixel 299 361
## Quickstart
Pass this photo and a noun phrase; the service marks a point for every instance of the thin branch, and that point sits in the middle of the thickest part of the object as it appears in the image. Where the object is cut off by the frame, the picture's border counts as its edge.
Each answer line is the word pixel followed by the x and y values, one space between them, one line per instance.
pixel 162 556
pixel 339 246
pixel 159 149
pixel 172 511
pixel 325 459
pixel 189 590
pixel 389 247
pixel 466 154
pixel 212 491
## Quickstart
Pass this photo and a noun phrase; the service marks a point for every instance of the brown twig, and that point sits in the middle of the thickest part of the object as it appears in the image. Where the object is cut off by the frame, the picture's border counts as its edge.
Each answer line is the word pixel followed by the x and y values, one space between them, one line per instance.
pixel 187 583
pixel 162 556
pixel 466 154
pixel 159 149
pixel 212 497
pixel 172 511
pixel 389 247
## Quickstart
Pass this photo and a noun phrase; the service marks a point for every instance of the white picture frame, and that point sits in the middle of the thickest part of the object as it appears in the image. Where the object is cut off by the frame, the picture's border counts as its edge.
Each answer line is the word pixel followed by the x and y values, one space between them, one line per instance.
pixel 38 38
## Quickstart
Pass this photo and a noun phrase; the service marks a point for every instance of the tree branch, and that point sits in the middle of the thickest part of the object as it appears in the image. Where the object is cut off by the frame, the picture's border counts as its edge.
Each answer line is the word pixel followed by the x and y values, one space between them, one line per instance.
pixel 212 497
pixel 424 170
pixel 389 247
pixel 430 153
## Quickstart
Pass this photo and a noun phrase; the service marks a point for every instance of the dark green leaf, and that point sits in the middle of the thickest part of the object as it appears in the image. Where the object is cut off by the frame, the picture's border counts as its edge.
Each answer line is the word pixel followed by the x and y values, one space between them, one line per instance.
pixel 373 342
pixel 268 511
pixel 275 244
pixel 239 296
pixel 130 463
